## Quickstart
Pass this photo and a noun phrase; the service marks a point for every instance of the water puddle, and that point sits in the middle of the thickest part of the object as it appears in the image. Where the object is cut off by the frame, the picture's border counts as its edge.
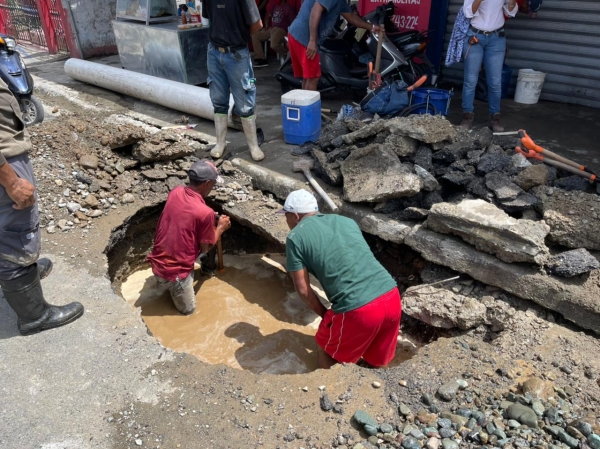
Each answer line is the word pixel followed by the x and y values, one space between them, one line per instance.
pixel 248 317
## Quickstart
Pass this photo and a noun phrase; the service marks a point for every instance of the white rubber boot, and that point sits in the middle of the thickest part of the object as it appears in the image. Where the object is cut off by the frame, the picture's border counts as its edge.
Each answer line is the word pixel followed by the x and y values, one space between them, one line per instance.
pixel 221 131
pixel 249 125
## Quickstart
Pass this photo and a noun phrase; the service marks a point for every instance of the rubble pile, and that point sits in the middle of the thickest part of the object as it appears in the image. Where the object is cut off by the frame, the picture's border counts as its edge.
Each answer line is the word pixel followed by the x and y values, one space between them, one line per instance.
pixel 477 207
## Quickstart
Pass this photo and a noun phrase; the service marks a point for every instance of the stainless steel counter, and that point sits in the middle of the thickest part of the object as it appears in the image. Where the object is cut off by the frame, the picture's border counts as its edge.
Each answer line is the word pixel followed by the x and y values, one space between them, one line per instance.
pixel 163 50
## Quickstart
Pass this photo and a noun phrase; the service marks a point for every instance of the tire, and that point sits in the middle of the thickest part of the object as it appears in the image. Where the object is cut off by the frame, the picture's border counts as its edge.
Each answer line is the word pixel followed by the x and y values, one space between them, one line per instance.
pixel 32 109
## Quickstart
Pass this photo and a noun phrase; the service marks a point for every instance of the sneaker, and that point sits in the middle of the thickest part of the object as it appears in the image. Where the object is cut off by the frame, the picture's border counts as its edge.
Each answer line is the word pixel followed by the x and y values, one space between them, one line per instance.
pixel 467 120
pixel 260 63
pixel 495 125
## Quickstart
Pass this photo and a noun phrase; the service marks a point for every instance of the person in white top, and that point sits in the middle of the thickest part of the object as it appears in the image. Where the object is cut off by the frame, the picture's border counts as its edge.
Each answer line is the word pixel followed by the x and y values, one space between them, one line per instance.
pixel 485 43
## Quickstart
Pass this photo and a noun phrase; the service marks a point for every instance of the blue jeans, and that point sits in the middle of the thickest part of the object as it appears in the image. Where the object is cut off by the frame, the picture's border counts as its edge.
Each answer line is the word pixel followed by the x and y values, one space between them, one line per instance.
pixel 490 50
pixel 231 72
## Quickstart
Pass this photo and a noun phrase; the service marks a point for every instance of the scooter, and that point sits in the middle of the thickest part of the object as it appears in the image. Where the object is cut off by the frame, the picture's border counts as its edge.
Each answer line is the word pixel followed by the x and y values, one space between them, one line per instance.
pixel 14 73
pixel 344 61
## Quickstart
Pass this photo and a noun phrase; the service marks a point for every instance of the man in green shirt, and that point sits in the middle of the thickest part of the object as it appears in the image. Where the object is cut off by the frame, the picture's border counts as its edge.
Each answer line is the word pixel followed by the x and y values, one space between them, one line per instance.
pixel 364 318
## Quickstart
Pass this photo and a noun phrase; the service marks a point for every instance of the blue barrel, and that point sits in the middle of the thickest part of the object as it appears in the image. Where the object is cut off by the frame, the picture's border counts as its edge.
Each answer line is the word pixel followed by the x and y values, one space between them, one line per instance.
pixel 440 98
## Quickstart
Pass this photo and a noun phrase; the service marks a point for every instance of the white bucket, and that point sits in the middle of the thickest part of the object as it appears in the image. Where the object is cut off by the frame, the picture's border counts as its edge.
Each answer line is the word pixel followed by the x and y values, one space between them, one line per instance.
pixel 529 86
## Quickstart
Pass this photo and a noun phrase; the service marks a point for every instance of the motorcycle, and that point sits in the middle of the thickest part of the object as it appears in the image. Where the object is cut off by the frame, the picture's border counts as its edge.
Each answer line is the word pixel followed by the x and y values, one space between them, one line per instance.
pixel 14 73
pixel 344 59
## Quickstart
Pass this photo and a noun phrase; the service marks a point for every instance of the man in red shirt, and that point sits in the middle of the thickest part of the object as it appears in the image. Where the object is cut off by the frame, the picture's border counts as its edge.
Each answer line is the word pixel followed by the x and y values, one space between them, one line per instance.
pixel 280 15
pixel 186 228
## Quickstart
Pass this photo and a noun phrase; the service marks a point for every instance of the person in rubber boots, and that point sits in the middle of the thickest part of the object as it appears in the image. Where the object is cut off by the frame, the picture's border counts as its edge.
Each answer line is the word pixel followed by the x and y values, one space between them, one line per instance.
pixel 364 320
pixel 20 241
pixel 232 22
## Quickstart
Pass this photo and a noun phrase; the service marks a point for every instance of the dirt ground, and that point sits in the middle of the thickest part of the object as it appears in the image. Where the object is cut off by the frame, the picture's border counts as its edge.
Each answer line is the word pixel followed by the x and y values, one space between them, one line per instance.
pixel 147 396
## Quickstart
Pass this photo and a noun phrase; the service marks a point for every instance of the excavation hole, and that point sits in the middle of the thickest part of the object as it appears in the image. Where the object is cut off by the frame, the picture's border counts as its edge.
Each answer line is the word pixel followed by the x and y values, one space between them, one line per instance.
pixel 247 317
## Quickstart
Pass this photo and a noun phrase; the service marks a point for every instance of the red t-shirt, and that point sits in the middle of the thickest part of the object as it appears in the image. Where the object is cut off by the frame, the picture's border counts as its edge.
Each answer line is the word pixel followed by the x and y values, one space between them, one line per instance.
pixel 186 221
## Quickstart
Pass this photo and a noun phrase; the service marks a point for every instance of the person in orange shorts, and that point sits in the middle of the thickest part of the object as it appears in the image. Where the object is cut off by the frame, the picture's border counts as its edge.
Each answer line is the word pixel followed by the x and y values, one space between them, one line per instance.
pixel 311 27
pixel 364 319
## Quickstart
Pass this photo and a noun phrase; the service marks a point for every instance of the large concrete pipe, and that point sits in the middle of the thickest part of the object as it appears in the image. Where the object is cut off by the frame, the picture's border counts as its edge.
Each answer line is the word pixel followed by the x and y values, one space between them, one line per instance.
pixel 171 94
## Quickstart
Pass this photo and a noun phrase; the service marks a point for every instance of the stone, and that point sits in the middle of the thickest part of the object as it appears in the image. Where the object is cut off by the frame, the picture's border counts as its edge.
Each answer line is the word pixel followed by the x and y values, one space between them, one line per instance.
pixel 432 198
pixel 416 433
pixel 228 168
pixel 489 163
pixel 427 179
pixel 89 161
pixel 94 213
pixel 568 439
pixel 386 428
pixel 576 301
pixel 491 230
pixel 570 216
pixel 521 203
pixel 447 443
pixel 447 432
pixel 442 308
pixel 572 263
pixel 328 171
pixel 459 178
pixel 538 407
pixel 363 418
pixel 173 181
pixel 584 427
pixel 375 174
pixel 518 163
pixel 410 443
pixel 404 410
pixel 161 150
pixel 412 214
pixel 462 384
pixel 427 399
pixel 127 198
pixel 424 128
pixel 403 146
pixel 444 423
pixel 532 176
pixel 325 403
pixel 376 384
pixel 423 157
pixel 154 175
pixel 90 202
pixel 523 414
pixel 594 441
pixel 370 429
pixel 73 207
pixel 433 443
pixel 572 183
pixel 502 186
pixel 448 391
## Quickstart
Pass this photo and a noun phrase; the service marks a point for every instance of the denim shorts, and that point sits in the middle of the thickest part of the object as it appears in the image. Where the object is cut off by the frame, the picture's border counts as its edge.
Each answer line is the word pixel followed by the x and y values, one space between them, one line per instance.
pixel 231 73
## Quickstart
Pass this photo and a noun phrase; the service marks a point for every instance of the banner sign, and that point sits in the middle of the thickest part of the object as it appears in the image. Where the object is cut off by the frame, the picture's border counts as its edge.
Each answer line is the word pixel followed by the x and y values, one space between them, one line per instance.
pixel 410 14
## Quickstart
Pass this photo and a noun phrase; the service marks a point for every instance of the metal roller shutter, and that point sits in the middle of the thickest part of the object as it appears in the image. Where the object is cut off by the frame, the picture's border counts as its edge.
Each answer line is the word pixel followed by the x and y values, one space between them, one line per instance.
pixel 563 41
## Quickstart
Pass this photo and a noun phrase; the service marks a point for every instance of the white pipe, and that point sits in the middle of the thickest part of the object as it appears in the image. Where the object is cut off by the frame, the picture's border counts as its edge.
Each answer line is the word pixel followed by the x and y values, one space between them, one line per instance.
pixel 171 94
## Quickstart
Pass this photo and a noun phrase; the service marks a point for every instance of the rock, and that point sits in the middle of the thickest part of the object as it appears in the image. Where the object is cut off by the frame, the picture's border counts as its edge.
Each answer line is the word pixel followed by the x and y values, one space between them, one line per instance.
pixel 502 186
pixel 433 443
pixel 447 443
pixel 537 388
pixel 532 176
pixel 62 224
pixel 576 300
pixel 570 216
pixel 459 178
pixel 94 213
pixel 491 230
pixel 424 128
pixel 328 171
pixel 427 179
pixel 441 308
pixel 423 157
pixel 325 402
pixel 568 439
pixel 161 150
pixel 572 183
pixel 90 202
pixel 404 410
pixel 138 442
pixel 73 207
pixel 127 198
pixel 448 391
pixel 154 174
pixel 427 399
pixel 412 214
pixel 376 174
pixel 89 161
pixel 444 423
pixel 173 181
pixel 521 203
pixel 402 146
pixel 410 443
pixel 518 163
pixel 514 424
pixel 594 441
pixel 584 427
pixel 363 418
pixel 227 168
pixel 571 263
pixel 370 429
pixel 416 433
pixel 523 414
pixel 462 384
pixel 493 163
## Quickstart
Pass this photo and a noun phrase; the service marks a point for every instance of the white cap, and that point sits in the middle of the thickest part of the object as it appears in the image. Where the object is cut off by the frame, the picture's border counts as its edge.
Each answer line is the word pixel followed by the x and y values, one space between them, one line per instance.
pixel 300 202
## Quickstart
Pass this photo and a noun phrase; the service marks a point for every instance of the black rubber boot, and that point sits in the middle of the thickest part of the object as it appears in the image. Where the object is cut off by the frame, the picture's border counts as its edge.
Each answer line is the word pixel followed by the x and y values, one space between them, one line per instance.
pixel 24 295
pixel 44 267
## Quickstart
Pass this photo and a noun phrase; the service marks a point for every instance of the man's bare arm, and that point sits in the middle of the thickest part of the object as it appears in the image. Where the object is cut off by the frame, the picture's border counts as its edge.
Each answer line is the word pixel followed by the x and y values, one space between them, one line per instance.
pixel 307 295
pixel 315 19
pixel 18 189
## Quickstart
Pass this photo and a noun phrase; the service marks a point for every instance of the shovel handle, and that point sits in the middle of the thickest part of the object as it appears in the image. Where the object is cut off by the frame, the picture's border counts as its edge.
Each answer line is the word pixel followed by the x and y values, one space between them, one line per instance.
pixel 320 191
pixel 532 146
pixel 220 254
pixel 532 155
pixel 419 83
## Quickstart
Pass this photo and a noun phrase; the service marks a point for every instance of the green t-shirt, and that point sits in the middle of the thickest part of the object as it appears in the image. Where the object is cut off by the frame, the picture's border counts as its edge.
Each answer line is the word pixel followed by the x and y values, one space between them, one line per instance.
pixel 333 250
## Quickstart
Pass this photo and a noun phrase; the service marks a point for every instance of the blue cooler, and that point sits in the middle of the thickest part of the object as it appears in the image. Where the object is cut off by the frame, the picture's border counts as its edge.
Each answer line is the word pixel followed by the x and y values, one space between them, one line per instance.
pixel 301 116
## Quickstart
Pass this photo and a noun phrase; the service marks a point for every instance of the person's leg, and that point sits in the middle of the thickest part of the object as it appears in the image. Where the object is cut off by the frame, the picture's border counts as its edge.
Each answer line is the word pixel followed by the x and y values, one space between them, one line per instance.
pixel 183 295
pixel 382 348
pixel 493 60
pixel 257 44
pixel 297 51
pixel 324 359
pixel 311 84
pixel 278 40
pixel 243 89
pixel 473 57
pixel 218 84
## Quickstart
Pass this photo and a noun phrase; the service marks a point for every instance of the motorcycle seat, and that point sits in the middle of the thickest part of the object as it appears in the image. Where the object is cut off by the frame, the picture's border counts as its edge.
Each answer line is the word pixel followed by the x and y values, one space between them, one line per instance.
pixel 335 46
pixel 358 72
pixel 402 37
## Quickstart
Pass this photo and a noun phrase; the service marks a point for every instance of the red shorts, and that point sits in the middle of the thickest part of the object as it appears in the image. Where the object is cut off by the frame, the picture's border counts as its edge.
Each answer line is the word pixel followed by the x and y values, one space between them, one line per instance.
pixel 370 332
pixel 303 67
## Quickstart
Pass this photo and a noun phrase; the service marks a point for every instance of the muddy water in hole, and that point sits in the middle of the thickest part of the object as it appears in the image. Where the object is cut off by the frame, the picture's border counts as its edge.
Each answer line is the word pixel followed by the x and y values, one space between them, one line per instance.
pixel 247 317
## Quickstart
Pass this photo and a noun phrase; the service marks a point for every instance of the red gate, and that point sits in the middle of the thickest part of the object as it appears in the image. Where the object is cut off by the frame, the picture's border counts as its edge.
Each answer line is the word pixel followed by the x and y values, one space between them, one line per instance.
pixel 39 22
